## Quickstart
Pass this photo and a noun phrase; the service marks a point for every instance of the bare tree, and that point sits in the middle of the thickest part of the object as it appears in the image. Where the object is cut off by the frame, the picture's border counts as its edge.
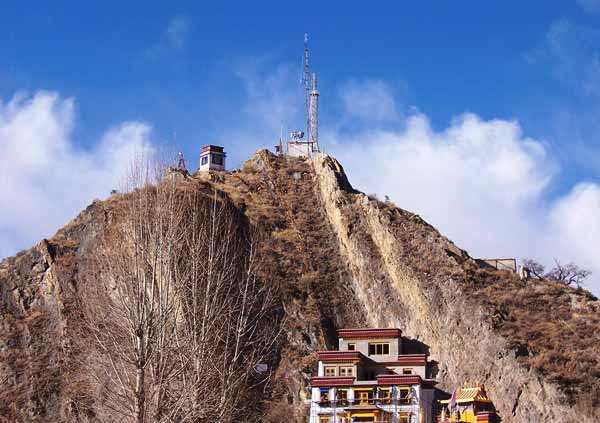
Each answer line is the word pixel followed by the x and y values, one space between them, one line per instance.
pixel 135 305
pixel 534 267
pixel 569 274
pixel 228 325
pixel 178 317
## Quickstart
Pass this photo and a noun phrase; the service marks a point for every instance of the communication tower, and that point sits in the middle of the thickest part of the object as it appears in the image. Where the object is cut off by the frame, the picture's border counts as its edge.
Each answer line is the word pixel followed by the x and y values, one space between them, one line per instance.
pixel 299 145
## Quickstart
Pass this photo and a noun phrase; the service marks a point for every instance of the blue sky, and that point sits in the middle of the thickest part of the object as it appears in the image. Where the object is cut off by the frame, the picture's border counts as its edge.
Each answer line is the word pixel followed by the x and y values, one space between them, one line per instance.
pixel 414 79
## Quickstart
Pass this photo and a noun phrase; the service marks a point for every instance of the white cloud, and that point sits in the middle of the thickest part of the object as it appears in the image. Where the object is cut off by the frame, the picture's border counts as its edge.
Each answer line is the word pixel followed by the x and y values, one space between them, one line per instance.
pixel 369 100
pixel 475 180
pixel 171 40
pixel 46 179
pixel 570 54
pixel 176 31
pixel 572 51
pixel 590 6
pixel 481 183
pixel 575 220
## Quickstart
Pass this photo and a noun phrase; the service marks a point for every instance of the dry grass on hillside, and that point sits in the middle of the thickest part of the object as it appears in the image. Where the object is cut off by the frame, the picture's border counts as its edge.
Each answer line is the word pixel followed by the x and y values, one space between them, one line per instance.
pixel 551 327
pixel 300 257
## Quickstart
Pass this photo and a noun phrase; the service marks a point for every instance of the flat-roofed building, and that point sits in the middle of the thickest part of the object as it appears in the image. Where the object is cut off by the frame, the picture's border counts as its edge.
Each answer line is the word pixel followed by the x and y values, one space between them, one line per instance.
pixel 212 157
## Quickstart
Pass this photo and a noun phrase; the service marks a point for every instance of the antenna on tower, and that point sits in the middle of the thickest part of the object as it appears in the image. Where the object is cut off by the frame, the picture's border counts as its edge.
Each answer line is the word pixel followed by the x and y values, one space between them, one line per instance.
pixel 313 114
pixel 306 82
pixel 299 145
pixel 279 146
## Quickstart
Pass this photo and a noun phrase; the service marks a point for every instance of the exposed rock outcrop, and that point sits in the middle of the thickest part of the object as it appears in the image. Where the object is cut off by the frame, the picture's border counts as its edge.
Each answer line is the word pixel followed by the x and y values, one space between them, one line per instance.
pixel 408 275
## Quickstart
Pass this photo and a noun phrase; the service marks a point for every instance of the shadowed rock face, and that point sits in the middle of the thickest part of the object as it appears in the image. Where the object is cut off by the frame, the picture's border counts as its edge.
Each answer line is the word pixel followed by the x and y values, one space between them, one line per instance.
pixel 336 258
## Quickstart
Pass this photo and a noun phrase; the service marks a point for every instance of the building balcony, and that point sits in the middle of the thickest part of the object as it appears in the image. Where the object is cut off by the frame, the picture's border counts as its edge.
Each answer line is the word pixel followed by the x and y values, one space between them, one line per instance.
pixel 392 401
pixel 334 403
pixel 326 403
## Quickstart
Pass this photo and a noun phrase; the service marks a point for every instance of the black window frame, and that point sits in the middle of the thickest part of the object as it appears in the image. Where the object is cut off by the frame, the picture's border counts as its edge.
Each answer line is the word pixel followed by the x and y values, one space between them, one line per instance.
pixel 379 348
pixel 217 159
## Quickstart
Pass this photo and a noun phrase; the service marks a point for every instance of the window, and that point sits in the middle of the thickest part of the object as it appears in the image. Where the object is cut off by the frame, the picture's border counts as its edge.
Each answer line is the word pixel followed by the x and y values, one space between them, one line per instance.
pixel 217 159
pixel 407 371
pixel 204 160
pixel 379 349
pixel 365 397
pixel 385 395
pixel 404 395
pixel 342 396
pixel 346 371
pixel 351 347
pixel 329 371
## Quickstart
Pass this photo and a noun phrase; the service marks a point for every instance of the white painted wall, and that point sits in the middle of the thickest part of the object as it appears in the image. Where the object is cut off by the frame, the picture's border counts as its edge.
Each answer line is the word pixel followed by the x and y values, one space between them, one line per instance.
pixel 210 164
pixel 416 370
pixel 362 345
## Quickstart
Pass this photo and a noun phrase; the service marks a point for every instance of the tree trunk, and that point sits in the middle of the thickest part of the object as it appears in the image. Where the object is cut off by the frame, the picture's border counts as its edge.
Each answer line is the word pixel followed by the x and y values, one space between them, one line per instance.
pixel 140 392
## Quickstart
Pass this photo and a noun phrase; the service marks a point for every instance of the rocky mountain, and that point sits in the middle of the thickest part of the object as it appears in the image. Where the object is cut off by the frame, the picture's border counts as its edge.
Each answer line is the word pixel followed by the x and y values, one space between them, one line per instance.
pixel 334 257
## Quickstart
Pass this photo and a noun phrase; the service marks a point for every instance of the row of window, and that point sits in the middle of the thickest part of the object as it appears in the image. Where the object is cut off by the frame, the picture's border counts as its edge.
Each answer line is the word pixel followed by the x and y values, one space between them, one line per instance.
pixel 360 419
pixel 375 348
pixel 365 396
pixel 216 159
pixel 379 349
pixel 349 371
pixel 343 371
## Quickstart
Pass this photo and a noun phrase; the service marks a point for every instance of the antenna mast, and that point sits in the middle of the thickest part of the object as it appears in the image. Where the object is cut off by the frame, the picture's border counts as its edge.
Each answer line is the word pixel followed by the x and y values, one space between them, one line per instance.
pixel 306 82
pixel 313 113
pixel 301 145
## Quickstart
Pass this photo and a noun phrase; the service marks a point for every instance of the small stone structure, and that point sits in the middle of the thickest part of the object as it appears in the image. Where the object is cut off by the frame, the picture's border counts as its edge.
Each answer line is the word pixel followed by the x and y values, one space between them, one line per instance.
pixel 499 263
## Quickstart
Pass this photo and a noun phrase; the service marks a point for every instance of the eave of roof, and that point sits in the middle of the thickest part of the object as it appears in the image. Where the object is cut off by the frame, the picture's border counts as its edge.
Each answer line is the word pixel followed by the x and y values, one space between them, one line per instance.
pixel 469 394
pixel 399 380
pixel 344 357
pixel 331 381
pixel 408 360
pixel 331 356
pixel 359 333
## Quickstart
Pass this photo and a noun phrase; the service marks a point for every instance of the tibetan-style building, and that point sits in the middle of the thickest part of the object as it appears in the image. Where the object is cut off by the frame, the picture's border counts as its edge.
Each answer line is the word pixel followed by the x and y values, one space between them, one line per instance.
pixel 369 379
pixel 468 405
pixel 212 157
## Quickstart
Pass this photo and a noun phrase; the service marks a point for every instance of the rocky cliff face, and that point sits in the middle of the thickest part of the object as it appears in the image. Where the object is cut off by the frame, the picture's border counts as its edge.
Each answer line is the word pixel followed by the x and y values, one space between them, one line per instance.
pixel 336 258
pixel 407 275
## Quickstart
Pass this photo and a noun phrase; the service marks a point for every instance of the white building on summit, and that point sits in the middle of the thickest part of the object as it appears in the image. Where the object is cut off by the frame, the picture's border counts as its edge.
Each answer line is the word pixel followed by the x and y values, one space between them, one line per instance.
pixel 212 157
